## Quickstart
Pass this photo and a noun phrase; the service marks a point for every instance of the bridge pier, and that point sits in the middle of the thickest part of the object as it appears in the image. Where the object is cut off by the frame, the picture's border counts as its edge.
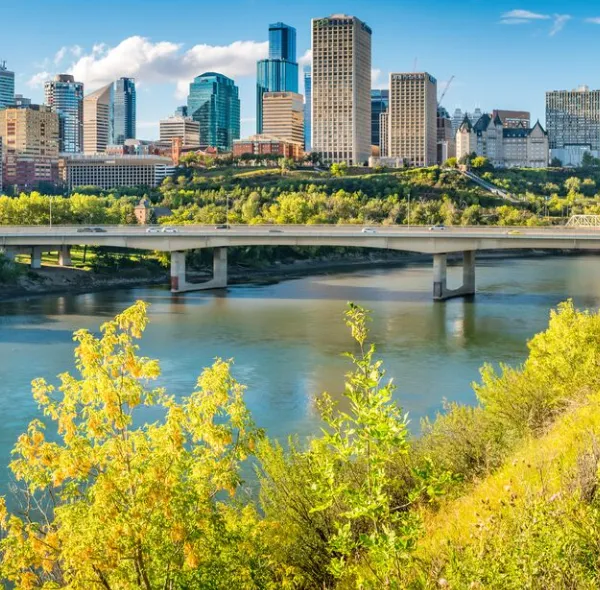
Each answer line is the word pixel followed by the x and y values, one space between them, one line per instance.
pixel 64 256
pixel 179 283
pixel 36 257
pixel 440 287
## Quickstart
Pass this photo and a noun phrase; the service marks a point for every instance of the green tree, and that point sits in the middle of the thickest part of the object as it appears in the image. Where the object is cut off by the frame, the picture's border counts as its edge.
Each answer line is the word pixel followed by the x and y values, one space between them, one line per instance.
pixel 339 169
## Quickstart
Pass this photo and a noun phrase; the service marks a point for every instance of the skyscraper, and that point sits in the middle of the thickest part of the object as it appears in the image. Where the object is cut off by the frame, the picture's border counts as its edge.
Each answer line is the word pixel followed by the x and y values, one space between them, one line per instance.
pixel 307 108
pixel 380 100
pixel 278 73
pixel 65 97
pixel 413 118
pixel 7 86
pixel 214 102
pixel 341 89
pixel 283 114
pixel 124 117
pixel 97 120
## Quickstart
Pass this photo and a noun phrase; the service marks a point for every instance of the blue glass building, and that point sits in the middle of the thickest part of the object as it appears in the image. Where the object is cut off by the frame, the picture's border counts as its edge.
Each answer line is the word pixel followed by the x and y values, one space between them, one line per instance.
pixel 307 108
pixel 65 97
pixel 7 86
pixel 214 102
pixel 380 102
pixel 124 110
pixel 278 73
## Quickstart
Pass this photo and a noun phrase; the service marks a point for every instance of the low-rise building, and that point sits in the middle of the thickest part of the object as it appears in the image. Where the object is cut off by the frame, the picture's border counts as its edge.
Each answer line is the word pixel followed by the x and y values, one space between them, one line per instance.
pixel 106 172
pixel 264 145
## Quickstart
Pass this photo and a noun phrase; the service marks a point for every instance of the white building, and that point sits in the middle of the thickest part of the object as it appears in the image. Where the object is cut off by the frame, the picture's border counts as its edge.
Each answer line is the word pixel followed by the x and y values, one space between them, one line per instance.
pixel 341 89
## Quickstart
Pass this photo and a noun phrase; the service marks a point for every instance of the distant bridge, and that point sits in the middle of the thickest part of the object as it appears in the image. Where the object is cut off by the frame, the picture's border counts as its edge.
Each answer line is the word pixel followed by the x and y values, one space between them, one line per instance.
pixel 35 240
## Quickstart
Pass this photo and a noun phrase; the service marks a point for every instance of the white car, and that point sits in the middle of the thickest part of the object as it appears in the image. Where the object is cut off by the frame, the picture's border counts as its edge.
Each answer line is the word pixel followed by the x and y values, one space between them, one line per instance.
pixel 438 227
pixel 169 230
pixel 153 230
pixel 369 230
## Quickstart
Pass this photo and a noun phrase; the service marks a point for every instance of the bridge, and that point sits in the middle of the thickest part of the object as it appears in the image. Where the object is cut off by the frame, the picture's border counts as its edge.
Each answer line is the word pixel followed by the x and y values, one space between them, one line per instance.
pixel 36 240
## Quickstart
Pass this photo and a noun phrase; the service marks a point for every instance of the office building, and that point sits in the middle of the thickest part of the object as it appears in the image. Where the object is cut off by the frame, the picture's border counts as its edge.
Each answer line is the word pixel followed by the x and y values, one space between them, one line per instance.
pixel 110 171
pixel 573 123
pixel 97 123
pixel 183 128
pixel 341 89
pixel 384 134
pixel 21 101
pixel 380 100
pixel 307 108
pixel 459 117
pixel 214 102
pixel 278 73
pixel 513 119
pixel 412 118
pixel 124 111
pixel 30 139
pixel 7 86
pixel 181 111
pixel 283 116
pixel 65 97
pixel 446 145
pixel 265 145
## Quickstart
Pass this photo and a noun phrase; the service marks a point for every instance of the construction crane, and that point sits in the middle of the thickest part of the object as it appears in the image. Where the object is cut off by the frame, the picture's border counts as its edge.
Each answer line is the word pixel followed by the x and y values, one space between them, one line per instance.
pixel 445 90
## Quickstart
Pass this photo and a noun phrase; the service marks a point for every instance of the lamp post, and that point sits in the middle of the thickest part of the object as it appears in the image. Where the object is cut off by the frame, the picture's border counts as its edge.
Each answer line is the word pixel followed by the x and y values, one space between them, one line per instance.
pixel 408 215
pixel 50 212
pixel 227 211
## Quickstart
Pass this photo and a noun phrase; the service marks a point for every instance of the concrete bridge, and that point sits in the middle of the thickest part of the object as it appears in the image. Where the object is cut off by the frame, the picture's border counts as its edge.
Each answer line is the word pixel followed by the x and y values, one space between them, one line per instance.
pixel 35 240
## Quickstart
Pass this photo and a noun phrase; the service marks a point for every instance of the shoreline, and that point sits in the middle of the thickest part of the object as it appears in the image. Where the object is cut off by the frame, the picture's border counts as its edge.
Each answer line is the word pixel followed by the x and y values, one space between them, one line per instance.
pixel 261 276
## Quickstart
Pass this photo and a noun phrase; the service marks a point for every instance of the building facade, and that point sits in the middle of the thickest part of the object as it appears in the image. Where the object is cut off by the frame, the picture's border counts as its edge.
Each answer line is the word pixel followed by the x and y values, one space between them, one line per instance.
pixel 30 139
pixel 526 148
pixel 413 118
pixel 384 135
pixel 380 100
pixel 184 128
pixel 341 89
pixel 7 86
pixel 459 117
pixel 97 120
pixel 446 144
pixel 283 116
pixel 65 97
pixel 124 111
pixel 278 73
pixel 307 108
pixel 214 102
pixel 108 172
pixel 513 119
pixel 265 145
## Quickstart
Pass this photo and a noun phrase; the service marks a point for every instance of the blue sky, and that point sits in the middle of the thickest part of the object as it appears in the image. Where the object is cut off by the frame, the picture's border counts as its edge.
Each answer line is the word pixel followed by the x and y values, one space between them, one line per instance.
pixel 502 54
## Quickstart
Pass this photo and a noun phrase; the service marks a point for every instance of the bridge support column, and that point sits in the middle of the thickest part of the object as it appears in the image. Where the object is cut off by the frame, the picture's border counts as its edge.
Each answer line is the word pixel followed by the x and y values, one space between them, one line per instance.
pixel 179 283
pixel 440 286
pixel 64 256
pixel 36 257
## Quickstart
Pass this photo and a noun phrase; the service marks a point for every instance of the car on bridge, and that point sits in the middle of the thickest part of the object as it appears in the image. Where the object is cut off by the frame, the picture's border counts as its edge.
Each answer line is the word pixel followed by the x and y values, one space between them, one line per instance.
pixel 368 230
pixel 168 230
pixel 222 226
pixel 438 227
pixel 91 230
pixel 153 230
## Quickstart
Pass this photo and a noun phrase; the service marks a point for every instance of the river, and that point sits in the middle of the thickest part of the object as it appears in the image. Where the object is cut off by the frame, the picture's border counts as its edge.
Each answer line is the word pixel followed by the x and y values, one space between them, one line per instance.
pixel 287 338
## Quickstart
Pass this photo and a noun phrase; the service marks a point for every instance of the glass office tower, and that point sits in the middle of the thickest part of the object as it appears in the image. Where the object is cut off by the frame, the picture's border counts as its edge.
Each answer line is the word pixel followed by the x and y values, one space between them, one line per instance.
pixel 214 102
pixel 65 97
pixel 380 101
pixel 278 73
pixel 307 107
pixel 7 86
pixel 124 110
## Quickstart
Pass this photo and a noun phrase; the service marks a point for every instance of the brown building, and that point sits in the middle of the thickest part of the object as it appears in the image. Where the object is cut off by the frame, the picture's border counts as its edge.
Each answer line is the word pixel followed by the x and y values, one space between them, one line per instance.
pixel 96 120
pixel 283 116
pixel 30 146
pixel 264 145
pixel 513 119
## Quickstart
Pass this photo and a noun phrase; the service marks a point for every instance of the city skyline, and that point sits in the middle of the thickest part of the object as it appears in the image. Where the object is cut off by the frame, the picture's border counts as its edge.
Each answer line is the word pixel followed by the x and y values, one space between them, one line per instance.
pixel 488 62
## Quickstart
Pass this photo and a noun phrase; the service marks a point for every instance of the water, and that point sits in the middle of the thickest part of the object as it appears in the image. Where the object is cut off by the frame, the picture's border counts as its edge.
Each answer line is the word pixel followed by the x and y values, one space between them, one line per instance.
pixel 286 338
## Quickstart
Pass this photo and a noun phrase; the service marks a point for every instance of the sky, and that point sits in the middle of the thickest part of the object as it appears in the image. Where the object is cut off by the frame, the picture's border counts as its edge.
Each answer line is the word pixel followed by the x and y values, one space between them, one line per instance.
pixel 502 54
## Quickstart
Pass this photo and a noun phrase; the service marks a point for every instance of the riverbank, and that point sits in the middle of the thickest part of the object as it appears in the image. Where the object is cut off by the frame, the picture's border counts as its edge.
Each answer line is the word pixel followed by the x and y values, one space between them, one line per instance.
pixel 55 280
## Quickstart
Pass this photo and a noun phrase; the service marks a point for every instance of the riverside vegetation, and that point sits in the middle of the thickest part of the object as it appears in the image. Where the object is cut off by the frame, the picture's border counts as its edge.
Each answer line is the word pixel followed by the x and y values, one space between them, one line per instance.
pixel 503 495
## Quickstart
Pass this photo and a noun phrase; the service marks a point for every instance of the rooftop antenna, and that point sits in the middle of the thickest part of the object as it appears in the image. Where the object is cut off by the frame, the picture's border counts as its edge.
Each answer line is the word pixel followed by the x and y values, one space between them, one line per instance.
pixel 415 64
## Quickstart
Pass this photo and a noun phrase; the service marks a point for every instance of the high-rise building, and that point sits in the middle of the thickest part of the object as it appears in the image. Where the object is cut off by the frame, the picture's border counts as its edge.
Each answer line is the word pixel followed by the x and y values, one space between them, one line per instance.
pixel 459 117
pixel 30 139
pixel 513 119
pixel 283 116
pixel 97 120
pixel 7 86
pixel 446 145
pixel 214 102
pixel 181 111
pixel 124 111
pixel 278 73
pixel 380 100
pixel 412 118
pixel 384 134
pixel 183 128
pixel 341 89
pixel 22 101
pixel 307 108
pixel 65 97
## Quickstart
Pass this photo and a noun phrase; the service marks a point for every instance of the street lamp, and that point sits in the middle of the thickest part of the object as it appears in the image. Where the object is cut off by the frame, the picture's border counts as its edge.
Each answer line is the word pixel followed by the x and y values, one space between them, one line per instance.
pixel 50 199
pixel 227 211
pixel 408 216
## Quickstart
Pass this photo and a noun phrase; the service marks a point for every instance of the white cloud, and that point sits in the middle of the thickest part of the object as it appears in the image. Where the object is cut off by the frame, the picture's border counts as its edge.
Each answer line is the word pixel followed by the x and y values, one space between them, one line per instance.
pixel 524 15
pixel 159 62
pixel 306 59
pixel 37 81
pixel 560 20
pixel 60 55
pixel 594 20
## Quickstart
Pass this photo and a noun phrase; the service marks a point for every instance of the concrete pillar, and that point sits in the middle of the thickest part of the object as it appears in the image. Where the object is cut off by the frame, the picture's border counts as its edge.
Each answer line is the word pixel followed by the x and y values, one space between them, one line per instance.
pixel 219 268
pixel 64 256
pixel 469 272
pixel 36 257
pixel 177 271
pixel 439 276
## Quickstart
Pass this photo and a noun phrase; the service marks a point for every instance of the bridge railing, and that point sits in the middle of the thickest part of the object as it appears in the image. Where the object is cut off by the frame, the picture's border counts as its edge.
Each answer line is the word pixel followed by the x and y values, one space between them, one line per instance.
pixel 584 221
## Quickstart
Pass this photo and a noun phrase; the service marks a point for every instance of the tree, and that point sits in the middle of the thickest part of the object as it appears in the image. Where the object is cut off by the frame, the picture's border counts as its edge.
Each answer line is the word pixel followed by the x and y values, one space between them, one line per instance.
pixel 111 505
pixel 555 163
pixel 481 163
pixel 589 161
pixel 339 170
pixel 285 165
pixel 451 163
